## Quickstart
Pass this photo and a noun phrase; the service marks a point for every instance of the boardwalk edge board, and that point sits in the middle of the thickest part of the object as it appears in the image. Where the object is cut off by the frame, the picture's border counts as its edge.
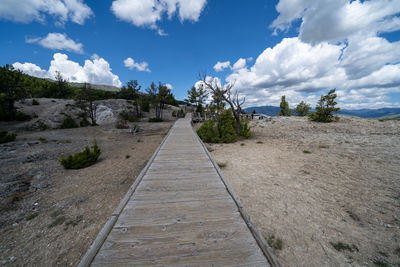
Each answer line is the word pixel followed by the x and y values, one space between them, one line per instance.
pixel 101 237
pixel 266 249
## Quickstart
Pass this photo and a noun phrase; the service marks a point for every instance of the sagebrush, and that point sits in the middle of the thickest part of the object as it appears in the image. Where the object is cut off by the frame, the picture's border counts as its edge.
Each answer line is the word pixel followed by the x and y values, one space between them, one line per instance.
pixel 5 137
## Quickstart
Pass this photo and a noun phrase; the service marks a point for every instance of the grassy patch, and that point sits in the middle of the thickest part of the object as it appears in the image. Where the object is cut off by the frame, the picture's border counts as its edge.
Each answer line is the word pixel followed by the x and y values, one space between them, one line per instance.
pixel 222 164
pixel 35 102
pixel 32 216
pixel 42 139
pixel 323 146
pixel 347 142
pixel 259 142
pixel 210 149
pixel 139 140
pixel 306 152
pixel 275 243
pixel 340 246
pixel 127 156
pixel 242 144
pixel 305 172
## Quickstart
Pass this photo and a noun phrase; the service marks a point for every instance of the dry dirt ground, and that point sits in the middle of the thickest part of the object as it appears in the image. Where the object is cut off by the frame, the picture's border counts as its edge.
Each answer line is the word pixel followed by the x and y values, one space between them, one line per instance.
pixel 312 185
pixel 49 216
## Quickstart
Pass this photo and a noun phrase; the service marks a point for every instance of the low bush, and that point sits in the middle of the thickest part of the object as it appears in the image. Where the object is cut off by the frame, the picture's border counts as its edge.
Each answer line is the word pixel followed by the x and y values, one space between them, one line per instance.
pixel 5 137
pixel 84 122
pixel 208 132
pixel 155 120
pixel 35 102
pixel 128 116
pixel 121 124
pixel 19 116
pixel 68 122
pixel 82 159
pixel 223 130
pixel 244 129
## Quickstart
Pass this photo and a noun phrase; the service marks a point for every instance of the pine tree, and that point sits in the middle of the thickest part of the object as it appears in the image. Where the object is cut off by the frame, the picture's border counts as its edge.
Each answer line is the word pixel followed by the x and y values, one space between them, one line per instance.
pixel 325 108
pixel 285 111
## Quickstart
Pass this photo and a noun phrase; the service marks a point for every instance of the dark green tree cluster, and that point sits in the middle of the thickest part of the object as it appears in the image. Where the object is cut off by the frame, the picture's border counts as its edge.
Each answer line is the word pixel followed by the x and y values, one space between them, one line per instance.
pixel 82 159
pixel 222 130
pixel 325 108
pixel 11 90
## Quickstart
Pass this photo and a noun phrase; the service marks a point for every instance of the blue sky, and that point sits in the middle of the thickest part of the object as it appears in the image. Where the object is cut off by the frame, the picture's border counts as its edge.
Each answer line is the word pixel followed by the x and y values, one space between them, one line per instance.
pixel 267 48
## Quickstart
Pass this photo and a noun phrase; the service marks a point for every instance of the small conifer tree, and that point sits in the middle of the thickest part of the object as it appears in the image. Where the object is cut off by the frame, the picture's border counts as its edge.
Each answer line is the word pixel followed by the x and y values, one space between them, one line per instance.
pixel 302 109
pixel 285 111
pixel 325 108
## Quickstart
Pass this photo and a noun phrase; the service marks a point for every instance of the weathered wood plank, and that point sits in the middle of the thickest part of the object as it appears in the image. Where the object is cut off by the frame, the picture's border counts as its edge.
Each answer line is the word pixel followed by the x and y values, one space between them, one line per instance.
pixel 180 214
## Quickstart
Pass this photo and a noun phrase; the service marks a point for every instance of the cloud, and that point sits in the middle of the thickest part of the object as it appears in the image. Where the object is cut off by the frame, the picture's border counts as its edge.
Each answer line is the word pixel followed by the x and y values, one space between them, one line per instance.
pixel 146 13
pixel 220 66
pixel 140 66
pixel 58 41
pixel 302 71
pixel 169 86
pixel 96 70
pixel 339 46
pixel 240 64
pixel 26 11
pixel 336 20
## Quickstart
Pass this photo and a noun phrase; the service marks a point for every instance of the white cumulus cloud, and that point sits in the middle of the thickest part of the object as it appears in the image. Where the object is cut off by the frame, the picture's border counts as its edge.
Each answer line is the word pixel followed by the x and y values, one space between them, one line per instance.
pixel 26 11
pixel 220 66
pixel 95 70
pixel 140 66
pixel 240 64
pixel 169 86
pixel 58 41
pixel 146 13
pixel 335 20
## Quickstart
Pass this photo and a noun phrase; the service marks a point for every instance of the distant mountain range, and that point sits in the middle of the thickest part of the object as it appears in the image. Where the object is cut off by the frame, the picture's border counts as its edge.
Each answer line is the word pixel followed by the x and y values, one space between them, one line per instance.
pixel 362 113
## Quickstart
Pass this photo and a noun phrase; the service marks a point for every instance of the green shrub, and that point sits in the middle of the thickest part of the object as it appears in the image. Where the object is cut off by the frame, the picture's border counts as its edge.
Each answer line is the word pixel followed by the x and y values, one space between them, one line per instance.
pixel 226 127
pixel 244 129
pixel 208 132
pixel 35 102
pixel 5 137
pixel 128 116
pixel 68 122
pixel 325 108
pixel 41 125
pixel 19 116
pixel 84 122
pixel 155 120
pixel 82 159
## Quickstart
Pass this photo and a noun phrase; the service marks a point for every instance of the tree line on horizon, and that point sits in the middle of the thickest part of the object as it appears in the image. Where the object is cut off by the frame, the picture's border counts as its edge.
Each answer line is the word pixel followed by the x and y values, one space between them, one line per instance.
pixel 16 86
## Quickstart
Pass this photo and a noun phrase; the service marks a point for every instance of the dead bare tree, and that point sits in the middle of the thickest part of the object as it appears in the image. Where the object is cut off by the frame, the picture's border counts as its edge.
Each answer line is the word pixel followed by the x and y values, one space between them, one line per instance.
pixel 225 91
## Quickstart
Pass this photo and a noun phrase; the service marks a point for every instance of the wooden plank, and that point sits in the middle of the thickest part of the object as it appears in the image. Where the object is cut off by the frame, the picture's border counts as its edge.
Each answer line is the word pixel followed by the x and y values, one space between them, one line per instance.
pixel 180 214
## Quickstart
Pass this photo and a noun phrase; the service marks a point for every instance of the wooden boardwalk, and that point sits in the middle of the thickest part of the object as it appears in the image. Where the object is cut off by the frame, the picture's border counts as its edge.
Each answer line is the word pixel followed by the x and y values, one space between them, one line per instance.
pixel 179 214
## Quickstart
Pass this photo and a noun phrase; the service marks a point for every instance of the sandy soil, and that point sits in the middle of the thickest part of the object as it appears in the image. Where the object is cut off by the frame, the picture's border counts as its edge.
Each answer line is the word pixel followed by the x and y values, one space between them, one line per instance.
pixel 71 205
pixel 346 189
